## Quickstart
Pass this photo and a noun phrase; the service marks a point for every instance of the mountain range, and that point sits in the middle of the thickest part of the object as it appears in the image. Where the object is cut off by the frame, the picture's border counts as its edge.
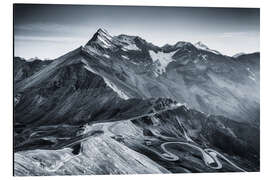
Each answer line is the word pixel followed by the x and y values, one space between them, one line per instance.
pixel 122 105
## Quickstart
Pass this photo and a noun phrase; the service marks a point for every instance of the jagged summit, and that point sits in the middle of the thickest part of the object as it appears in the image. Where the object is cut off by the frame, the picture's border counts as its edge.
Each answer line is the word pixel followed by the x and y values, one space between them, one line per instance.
pixel 202 46
pixel 177 45
pixel 199 44
pixel 103 32
pixel 101 37
pixel 103 41
pixel 181 44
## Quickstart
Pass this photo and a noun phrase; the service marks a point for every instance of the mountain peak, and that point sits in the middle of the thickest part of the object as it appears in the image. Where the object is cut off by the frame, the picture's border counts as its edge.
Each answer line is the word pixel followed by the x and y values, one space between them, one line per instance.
pixel 181 44
pixel 102 31
pixel 101 37
pixel 201 45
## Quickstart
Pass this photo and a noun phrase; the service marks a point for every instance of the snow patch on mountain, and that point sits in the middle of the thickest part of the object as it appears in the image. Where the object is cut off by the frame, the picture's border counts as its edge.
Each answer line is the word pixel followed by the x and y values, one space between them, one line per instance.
pixel 91 50
pixel 128 42
pixel 106 55
pixel 104 33
pixel 105 44
pixel 125 57
pixel 252 78
pixel 120 93
pixel 132 47
pixel 161 59
pixel 90 69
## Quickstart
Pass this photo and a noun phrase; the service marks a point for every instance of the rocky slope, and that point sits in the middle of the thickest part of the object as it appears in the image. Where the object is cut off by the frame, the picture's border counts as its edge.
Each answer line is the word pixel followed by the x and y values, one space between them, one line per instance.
pixel 24 69
pixel 205 80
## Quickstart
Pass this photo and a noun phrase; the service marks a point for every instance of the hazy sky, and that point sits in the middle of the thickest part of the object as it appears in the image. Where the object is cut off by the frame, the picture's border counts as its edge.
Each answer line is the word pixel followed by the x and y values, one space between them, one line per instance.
pixel 48 31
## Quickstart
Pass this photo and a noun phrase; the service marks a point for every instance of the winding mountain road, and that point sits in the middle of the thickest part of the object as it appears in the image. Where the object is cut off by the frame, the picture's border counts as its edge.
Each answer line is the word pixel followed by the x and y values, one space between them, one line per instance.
pixel 210 156
pixel 214 154
pixel 208 159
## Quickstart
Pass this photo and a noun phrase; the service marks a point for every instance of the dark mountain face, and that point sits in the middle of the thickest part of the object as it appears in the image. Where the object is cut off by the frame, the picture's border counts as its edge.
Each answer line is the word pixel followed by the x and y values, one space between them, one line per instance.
pixel 128 93
pixel 67 92
pixel 24 69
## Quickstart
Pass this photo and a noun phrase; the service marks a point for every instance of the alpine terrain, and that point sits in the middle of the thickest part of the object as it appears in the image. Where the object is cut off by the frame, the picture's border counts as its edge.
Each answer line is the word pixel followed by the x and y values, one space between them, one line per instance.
pixel 122 105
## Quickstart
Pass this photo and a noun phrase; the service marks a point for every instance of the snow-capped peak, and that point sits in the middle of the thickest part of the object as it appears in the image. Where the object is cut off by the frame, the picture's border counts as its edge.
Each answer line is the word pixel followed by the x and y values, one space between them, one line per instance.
pixel 102 38
pixel 200 45
pixel 103 32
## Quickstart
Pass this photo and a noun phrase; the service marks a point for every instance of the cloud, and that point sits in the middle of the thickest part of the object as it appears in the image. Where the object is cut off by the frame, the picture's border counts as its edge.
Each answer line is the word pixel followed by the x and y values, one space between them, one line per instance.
pixel 232 34
pixel 48 39
pixel 237 34
pixel 51 28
